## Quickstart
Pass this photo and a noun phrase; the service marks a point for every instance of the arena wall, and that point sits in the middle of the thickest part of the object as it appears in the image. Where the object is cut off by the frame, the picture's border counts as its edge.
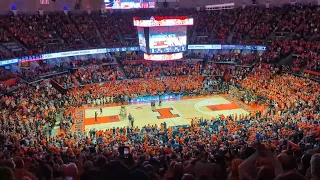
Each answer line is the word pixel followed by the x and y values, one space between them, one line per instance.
pixel 31 6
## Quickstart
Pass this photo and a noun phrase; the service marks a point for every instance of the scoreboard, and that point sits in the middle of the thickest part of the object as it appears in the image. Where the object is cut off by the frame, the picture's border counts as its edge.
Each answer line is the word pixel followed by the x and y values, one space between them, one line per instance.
pixel 163 37
pixel 166 39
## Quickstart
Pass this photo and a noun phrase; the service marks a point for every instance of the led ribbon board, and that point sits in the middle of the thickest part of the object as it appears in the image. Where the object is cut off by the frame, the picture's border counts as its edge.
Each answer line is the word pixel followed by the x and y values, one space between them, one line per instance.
pixel 163 21
pixel 163 57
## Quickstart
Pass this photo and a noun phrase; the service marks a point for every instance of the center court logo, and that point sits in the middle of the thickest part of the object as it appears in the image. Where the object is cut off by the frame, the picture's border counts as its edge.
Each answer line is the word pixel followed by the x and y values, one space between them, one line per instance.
pixel 165 113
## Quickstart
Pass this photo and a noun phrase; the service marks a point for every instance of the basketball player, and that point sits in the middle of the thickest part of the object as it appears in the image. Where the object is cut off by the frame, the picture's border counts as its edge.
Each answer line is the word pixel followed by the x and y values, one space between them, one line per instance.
pixel 131 119
pixel 96 116
pixel 100 110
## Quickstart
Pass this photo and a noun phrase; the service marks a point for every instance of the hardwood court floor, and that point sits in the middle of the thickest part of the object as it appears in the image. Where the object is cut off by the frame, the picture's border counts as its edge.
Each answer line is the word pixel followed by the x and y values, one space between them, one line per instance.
pixel 172 112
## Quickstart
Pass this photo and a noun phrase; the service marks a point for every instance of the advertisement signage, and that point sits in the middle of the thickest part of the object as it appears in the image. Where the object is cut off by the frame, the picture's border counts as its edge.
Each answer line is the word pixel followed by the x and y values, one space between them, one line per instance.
pixel 163 57
pixel 9 61
pixel 203 46
pixel 165 22
pixel 228 47
pixel 136 48
pixel 73 53
pixel 128 4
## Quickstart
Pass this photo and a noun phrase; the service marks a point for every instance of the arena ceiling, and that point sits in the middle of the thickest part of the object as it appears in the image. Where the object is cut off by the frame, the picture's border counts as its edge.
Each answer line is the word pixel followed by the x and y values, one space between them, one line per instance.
pixel 31 6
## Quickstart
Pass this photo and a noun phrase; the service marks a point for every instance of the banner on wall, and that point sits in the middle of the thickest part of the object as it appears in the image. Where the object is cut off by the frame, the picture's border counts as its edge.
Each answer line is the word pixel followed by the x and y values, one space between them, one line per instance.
pixel 164 22
pixel 74 53
pixel 124 49
pixel 9 61
pixel 227 47
pixel 163 57
pixel 65 54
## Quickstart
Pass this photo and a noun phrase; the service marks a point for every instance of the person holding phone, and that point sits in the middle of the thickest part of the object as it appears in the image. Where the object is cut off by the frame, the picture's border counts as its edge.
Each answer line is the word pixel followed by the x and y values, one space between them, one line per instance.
pixel 124 151
pixel 96 116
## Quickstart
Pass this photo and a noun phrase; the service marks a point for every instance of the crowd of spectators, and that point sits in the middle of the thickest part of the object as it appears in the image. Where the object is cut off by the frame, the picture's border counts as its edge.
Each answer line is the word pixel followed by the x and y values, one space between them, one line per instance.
pixel 5 36
pixel 66 30
pixel 241 59
pixel 281 49
pixel 106 26
pixel 134 67
pixel 124 23
pixel 137 87
pixel 28 34
pixel 89 75
pixel 30 111
pixel 281 142
pixel 89 62
pixel 44 29
pixel 6 75
pixel 246 21
pixel 96 74
pixel 302 25
pixel 215 25
pixel 4 55
pixel 305 55
pixel 42 33
pixel 309 60
pixel 314 64
pixel 87 27
pixel 142 69
pixel 37 73
pixel 215 69
pixel 258 23
pixel 266 23
pixel 219 148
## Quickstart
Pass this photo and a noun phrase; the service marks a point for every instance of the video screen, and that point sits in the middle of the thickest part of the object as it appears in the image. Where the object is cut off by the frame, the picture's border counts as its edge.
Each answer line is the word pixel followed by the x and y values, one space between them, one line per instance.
pixel 167 39
pixel 142 39
pixel 129 4
pixel 163 57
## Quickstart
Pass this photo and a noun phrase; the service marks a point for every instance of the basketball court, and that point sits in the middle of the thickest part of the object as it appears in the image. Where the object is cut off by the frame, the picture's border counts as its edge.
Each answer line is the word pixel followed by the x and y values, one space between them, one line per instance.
pixel 177 112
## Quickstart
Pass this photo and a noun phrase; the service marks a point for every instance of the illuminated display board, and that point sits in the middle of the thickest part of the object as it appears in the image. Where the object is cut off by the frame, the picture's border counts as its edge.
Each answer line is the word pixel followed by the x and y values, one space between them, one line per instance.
pixel 128 4
pixel 163 57
pixel 163 21
pixel 167 39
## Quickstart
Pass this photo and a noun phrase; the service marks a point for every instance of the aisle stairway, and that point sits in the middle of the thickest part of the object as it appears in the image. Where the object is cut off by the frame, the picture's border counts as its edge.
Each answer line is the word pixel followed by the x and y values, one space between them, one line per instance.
pixel 230 36
pixel 121 68
pixel 286 60
pixel 56 128
pixel 103 44
pixel 204 65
